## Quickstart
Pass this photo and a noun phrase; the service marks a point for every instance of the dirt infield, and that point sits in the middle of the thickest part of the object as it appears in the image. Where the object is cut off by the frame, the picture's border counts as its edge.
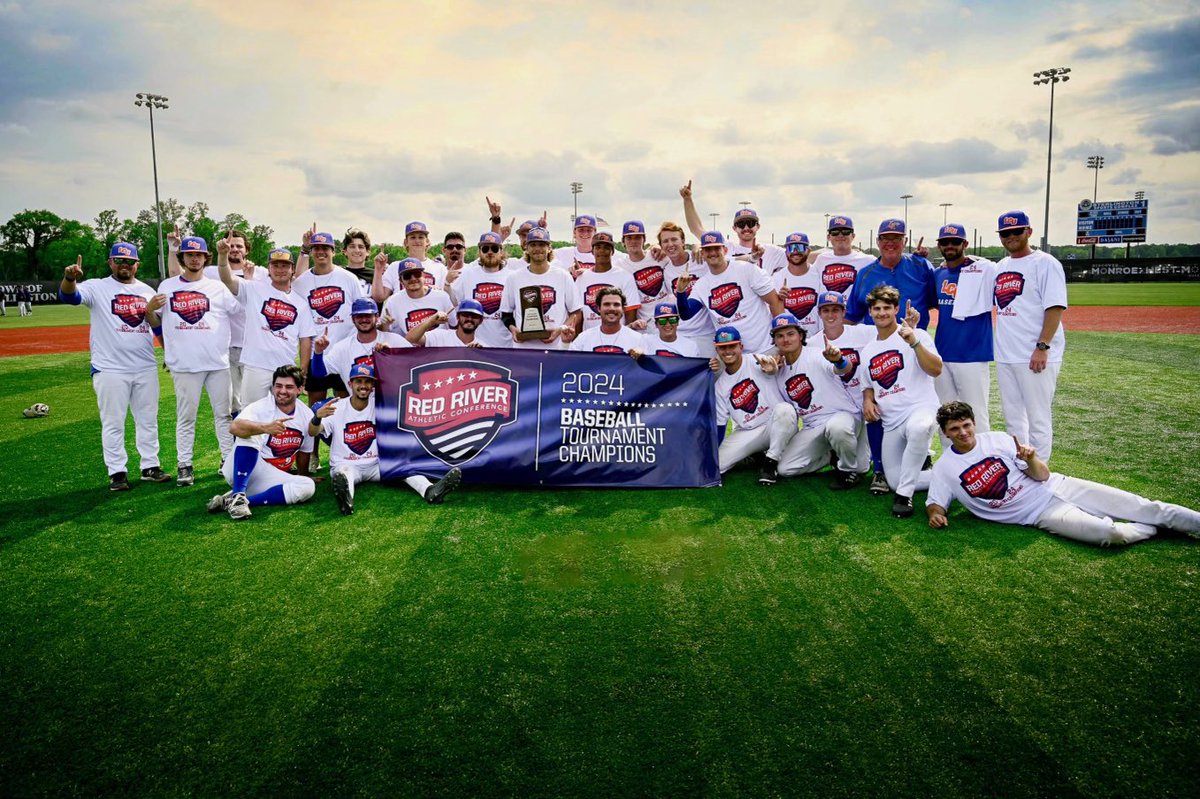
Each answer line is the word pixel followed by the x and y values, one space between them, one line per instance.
pixel 1118 319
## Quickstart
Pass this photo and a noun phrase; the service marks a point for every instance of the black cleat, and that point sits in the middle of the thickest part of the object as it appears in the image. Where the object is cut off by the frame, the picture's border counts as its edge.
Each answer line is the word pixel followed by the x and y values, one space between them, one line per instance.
pixel 902 507
pixel 341 492
pixel 155 474
pixel 436 493
pixel 185 477
pixel 879 485
pixel 118 482
pixel 768 475
pixel 844 481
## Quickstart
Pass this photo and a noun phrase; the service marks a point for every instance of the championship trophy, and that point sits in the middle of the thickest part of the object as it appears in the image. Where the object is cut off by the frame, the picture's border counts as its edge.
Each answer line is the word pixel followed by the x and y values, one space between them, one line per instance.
pixel 533 322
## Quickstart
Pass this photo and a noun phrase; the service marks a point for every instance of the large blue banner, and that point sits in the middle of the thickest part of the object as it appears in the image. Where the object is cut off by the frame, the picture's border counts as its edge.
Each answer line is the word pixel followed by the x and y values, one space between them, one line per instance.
pixel 530 417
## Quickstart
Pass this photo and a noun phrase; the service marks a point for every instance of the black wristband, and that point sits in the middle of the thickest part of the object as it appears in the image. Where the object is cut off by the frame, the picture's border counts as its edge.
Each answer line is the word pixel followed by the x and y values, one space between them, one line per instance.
pixel 495 220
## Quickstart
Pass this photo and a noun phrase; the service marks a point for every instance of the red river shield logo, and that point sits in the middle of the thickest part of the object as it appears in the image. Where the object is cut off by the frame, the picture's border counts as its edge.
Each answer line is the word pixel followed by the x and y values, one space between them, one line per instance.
pixel 414 318
pixel 284 447
pixel 800 390
pixel 800 301
pixel 667 353
pixel 987 479
pixel 129 308
pixel 429 279
pixel 886 366
pixel 675 287
pixel 838 277
pixel 1009 286
pixel 279 314
pixel 649 280
pixel 488 295
pixel 744 396
pixel 725 299
pixel 611 348
pixel 456 408
pixel 589 296
pixel 326 300
pixel 359 436
pixel 191 306
pixel 852 357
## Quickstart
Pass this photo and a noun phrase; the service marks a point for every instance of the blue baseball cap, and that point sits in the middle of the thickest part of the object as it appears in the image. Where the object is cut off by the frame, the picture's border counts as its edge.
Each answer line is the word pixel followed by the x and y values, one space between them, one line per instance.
pixel 416 227
pixel 409 265
pixel 664 309
pixel 633 227
pixel 470 306
pixel 831 298
pixel 490 238
pixel 712 238
pixel 796 238
pixel 889 226
pixel 785 319
pixel 1012 219
pixel 745 213
pixel 362 370
pixel 194 244
pixel 363 306
pixel 726 336
pixel 604 237
pixel 528 223
pixel 840 223
pixel 585 220
pixel 537 234
pixel 123 249
pixel 322 239
pixel 280 254
pixel 952 231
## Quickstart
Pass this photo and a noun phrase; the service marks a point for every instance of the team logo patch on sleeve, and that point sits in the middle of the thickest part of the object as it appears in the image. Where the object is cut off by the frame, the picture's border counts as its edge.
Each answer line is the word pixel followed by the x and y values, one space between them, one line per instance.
pixel 589 296
pixel 191 306
pixel 838 277
pixel 456 408
pixel 744 396
pixel 359 436
pixel 488 295
pixel 987 479
pixel 800 390
pixel 278 313
pixel 1009 286
pixel 725 299
pixel 416 317
pixel 800 301
pixel 129 308
pixel 284 447
pixel 649 281
pixel 886 367
pixel 852 357
pixel 326 300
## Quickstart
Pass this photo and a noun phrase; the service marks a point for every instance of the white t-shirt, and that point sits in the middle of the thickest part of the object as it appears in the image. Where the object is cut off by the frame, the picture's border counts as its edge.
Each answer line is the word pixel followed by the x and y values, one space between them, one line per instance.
pixel 774 258
pixel 195 324
pixel 681 347
pixel 567 257
pixel 351 435
pixel 700 325
pixel 408 312
pixel 838 272
pixel 558 300
pixel 435 276
pixel 275 323
pixel 746 396
pixel 487 289
pixel 801 297
pixel 120 338
pixel 851 343
pixel 1025 288
pixel 349 352
pixel 237 322
pixel 330 297
pixel 734 297
pixel 990 482
pixel 596 340
pixel 280 450
pixel 813 387
pixel 588 285
pixel 901 385
pixel 649 277
pixel 444 337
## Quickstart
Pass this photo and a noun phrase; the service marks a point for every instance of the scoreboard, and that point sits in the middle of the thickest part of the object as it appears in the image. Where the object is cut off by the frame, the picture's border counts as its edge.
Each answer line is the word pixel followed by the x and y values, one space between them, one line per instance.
pixel 1120 222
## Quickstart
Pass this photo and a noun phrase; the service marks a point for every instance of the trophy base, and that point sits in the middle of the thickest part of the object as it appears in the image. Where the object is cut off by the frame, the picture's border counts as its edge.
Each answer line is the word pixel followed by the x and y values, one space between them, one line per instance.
pixel 539 335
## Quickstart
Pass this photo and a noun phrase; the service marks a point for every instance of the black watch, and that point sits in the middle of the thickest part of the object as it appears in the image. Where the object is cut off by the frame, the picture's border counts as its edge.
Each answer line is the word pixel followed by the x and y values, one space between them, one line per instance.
pixel 1043 346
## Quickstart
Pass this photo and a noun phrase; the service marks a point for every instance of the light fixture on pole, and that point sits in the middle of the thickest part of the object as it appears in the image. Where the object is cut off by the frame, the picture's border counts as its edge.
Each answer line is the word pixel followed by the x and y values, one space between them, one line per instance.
pixel 744 203
pixel 906 198
pixel 1053 77
pixel 1139 195
pixel 944 211
pixel 576 187
pixel 151 102
pixel 714 218
pixel 1095 162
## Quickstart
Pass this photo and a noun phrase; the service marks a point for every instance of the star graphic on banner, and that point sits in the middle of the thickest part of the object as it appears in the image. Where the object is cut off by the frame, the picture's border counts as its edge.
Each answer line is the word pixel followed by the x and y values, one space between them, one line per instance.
pixel 425 387
pixel 437 384
pixel 461 377
pixel 473 375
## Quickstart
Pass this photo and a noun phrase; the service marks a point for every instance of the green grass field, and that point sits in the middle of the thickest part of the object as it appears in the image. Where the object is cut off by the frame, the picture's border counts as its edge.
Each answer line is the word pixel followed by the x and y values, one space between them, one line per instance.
pixel 732 641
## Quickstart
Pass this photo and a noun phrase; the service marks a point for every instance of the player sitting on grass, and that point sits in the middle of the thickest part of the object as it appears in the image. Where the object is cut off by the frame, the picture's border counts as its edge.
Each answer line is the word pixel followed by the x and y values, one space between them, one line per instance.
pixel 353 451
pixel 999 479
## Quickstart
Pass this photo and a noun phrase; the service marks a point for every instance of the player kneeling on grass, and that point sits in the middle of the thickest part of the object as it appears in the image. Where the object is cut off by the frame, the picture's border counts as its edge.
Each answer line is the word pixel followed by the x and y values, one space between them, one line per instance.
pixel 272 435
pixel 999 479
pixel 349 425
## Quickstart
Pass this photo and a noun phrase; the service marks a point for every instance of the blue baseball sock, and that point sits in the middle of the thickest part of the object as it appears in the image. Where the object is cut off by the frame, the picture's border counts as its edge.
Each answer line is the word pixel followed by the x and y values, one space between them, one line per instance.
pixel 875 441
pixel 272 496
pixel 244 461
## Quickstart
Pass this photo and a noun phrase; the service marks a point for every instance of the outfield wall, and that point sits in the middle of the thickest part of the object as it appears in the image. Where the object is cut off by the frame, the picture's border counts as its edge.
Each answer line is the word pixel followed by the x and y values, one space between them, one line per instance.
pixel 1180 269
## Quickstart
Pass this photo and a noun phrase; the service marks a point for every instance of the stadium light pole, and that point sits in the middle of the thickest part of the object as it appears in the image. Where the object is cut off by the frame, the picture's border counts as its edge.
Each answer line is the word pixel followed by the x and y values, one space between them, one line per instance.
pixel 1095 162
pixel 151 102
pixel 744 203
pixel 576 188
pixel 714 218
pixel 1053 76
pixel 906 198
pixel 945 206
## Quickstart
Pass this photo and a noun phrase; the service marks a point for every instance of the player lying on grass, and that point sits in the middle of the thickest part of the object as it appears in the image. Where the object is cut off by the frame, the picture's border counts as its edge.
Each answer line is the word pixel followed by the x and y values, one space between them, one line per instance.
pixel 999 479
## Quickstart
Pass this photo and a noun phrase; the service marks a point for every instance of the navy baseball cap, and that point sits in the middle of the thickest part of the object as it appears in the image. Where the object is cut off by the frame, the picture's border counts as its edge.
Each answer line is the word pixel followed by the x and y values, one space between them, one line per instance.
pixel 416 227
pixel 322 239
pixel 784 320
pixel 831 298
pixel 840 223
pixel 889 226
pixel 1012 219
pixel 633 227
pixel 952 231
pixel 664 309
pixel 727 335
pixel 362 370
pixel 194 244
pixel 490 238
pixel 712 238
pixel 409 265
pixel 537 234
pixel 363 306
pixel 745 213
pixel 280 254
pixel 528 223
pixel 585 220
pixel 470 306
pixel 796 238
pixel 123 249
pixel 604 238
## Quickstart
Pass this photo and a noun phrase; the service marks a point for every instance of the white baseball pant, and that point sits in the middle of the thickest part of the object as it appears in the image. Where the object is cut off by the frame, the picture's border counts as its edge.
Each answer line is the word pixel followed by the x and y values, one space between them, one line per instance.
pixel 256 383
pixel 235 379
pixel 809 449
pixel 188 386
pixel 116 394
pixel 969 383
pixel 905 450
pixel 296 488
pixel 1085 511
pixel 370 474
pixel 1027 398
pixel 772 437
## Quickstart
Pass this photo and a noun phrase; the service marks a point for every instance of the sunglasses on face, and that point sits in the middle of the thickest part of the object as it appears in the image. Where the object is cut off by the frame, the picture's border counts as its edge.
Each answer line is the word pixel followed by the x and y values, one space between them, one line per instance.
pixel 489 248
pixel 841 233
pixel 414 275
pixel 455 247
pixel 797 248
pixel 745 223
pixel 1008 234
pixel 951 242
pixel 667 320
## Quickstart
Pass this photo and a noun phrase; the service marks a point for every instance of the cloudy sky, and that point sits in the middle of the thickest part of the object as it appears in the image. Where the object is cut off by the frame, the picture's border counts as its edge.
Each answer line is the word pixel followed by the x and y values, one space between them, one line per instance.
pixel 375 113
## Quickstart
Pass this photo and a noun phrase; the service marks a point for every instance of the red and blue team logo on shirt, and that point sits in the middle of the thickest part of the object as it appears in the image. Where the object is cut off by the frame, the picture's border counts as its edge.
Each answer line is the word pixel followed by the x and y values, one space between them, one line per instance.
pixel 886 367
pixel 589 296
pixel 838 277
pixel 359 436
pixel 488 295
pixel 609 348
pixel 675 287
pixel 1009 286
pixel 368 359
pixel 725 299
pixel 800 301
pixel 800 390
pixel 987 479
pixel 190 306
pixel 279 314
pixel 649 280
pixel 429 279
pixel 744 396
pixel 326 300
pixel 666 352
pixel 416 317
pixel 852 357
pixel 284 447
pixel 549 297
pixel 129 308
